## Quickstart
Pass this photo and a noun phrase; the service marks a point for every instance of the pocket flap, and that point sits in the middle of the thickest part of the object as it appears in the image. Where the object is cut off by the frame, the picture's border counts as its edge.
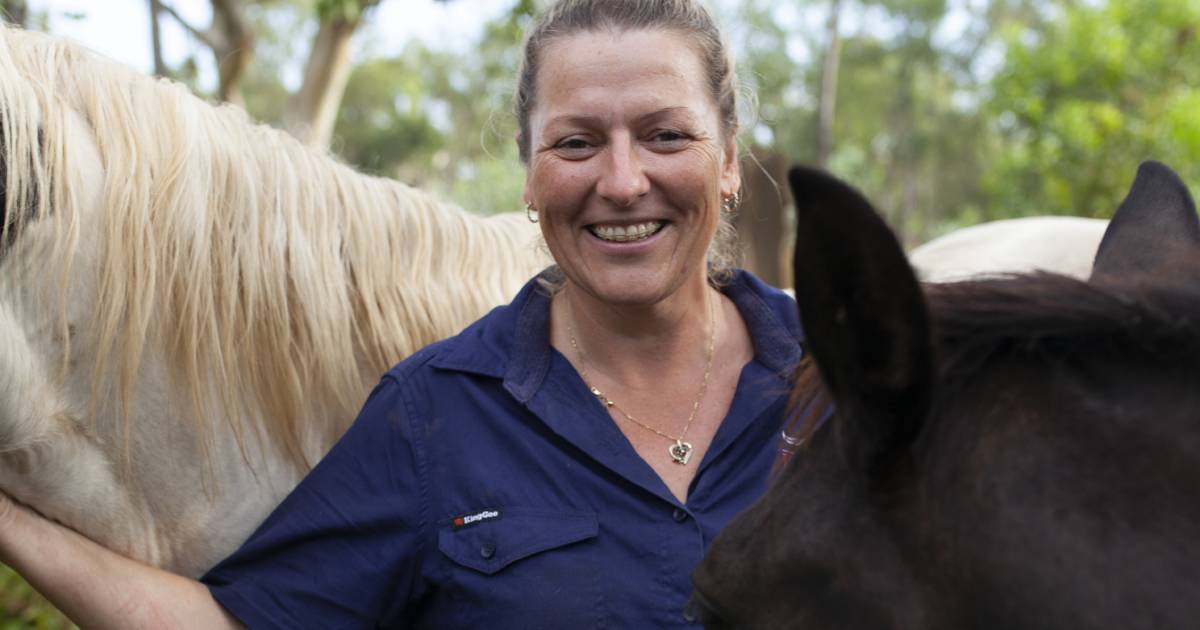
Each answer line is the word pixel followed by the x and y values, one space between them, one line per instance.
pixel 491 545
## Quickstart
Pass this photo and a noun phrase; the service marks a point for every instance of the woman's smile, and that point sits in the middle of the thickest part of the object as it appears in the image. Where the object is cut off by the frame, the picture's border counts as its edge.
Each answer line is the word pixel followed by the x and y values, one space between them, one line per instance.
pixel 616 233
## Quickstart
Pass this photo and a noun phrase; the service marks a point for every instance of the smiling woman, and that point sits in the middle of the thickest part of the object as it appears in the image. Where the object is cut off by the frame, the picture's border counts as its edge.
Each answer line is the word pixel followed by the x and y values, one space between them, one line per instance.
pixel 613 417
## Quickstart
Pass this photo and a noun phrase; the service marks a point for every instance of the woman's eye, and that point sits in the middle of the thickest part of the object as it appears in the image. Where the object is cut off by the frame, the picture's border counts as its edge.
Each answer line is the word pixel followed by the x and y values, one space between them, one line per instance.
pixel 667 137
pixel 573 144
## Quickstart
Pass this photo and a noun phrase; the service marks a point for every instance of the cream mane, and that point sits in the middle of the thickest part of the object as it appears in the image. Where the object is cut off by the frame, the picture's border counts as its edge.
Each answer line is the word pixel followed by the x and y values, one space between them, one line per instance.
pixel 271 275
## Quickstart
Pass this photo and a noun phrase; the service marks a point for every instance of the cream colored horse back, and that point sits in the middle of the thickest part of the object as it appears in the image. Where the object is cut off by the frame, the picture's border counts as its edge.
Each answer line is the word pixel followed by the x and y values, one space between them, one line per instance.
pixel 1057 244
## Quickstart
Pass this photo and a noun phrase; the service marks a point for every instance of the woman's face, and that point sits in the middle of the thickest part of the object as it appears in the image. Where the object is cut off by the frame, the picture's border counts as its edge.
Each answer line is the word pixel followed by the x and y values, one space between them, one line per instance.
pixel 628 163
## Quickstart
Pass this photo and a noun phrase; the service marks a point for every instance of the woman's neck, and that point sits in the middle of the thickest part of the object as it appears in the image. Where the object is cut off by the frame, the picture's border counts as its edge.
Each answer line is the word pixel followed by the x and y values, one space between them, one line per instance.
pixel 636 345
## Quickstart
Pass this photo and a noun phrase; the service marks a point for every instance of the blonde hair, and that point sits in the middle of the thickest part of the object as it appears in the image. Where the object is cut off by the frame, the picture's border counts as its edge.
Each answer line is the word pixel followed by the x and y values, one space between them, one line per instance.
pixel 280 282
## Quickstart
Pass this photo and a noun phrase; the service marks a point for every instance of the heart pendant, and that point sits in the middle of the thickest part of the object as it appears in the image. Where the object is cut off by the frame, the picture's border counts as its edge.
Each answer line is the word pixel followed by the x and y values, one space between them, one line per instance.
pixel 680 451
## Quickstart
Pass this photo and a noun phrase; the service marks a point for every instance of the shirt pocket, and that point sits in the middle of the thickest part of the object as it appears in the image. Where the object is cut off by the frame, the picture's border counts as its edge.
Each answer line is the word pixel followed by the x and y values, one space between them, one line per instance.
pixel 526 568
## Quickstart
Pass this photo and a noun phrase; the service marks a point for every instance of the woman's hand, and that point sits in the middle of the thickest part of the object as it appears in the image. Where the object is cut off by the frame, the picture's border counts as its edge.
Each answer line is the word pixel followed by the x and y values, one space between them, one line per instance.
pixel 96 587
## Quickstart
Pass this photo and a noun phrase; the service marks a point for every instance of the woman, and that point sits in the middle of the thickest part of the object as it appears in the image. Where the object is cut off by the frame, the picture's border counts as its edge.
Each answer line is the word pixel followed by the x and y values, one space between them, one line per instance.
pixel 565 461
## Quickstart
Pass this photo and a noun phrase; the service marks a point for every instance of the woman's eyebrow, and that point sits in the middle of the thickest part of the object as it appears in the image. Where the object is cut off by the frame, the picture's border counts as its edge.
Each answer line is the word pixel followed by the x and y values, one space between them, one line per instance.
pixel 587 120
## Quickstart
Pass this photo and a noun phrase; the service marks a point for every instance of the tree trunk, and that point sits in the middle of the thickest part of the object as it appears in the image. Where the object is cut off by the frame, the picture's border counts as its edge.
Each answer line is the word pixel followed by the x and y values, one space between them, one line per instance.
pixel 160 67
pixel 16 12
pixel 312 111
pixel 760 222
pixel 233 48
pixel 829 82
pixel 231 40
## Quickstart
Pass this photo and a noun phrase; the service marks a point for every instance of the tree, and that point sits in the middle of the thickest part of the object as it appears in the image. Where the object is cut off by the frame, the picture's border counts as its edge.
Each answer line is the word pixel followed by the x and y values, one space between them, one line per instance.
pixel 1077 116
pixel 229 37
pixel 160 66
pixel 15 12
pixel 829 81
pixel 440 119
pixel 312 111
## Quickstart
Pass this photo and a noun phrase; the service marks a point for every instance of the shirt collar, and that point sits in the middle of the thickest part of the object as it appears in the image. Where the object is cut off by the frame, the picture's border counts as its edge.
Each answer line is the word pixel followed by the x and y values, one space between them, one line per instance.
pixel 513 342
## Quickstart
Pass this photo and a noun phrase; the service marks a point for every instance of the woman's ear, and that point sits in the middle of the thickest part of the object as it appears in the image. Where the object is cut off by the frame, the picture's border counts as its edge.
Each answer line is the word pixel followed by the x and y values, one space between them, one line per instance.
pixel 731 171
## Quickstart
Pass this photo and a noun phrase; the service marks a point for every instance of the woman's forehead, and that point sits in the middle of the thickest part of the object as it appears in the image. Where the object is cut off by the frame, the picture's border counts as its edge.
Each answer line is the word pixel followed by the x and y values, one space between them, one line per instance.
pixel 603 73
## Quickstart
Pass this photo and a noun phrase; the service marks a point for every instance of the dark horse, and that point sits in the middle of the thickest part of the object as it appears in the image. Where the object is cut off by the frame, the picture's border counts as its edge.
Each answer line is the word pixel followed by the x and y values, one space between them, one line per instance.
pixel 1016 453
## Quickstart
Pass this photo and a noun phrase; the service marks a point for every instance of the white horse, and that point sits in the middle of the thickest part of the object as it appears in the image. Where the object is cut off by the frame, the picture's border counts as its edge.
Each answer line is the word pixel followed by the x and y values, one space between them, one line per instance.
pixel 1063 245
pixel 193 307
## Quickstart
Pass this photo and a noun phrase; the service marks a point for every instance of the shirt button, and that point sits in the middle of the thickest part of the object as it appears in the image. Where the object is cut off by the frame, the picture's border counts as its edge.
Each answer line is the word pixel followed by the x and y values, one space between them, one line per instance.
pixel 487 550
pixel 680 515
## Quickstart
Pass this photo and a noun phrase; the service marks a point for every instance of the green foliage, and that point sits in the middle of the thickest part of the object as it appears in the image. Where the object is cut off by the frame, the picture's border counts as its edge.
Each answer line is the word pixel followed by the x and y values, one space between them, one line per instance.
pixel 1034 107
pixel 383 123
pixel 901 130
pixel 344 10
pixel 441 119
pixel 21 608
pixel 1086 97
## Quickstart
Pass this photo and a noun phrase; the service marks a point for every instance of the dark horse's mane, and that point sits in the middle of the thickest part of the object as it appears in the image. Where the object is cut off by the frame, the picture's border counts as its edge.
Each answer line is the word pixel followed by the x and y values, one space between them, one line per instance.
pixel 1035 315
pixel 1049 315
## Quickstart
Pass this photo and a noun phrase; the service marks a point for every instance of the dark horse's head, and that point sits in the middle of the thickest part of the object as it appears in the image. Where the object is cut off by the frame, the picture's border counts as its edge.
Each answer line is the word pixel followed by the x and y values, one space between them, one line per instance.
pixel 1021 452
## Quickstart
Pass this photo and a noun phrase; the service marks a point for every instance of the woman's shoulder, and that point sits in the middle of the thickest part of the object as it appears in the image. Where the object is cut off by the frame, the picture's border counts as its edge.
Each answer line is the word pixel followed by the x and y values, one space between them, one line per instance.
pixel 485 347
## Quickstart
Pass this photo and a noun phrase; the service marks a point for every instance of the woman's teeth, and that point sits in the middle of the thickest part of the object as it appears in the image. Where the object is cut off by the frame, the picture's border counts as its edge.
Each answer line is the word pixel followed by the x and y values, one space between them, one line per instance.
pixel 626 233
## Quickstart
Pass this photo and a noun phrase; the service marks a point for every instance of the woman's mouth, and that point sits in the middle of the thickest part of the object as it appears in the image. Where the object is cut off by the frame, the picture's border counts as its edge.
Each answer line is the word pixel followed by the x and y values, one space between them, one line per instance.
pixel 626 233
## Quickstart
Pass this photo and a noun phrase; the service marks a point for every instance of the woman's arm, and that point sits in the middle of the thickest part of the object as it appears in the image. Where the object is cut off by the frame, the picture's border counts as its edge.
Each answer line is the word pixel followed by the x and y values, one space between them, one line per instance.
pixel 96 587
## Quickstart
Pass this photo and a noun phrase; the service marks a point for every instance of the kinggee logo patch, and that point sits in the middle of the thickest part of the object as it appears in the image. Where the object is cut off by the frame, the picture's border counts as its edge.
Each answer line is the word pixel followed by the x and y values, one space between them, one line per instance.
pixel 478 517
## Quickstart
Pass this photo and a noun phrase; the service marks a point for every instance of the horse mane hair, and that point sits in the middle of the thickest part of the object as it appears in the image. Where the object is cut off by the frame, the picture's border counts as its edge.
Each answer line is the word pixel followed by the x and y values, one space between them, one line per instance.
pixel 1049 315
pixel 1031 314
pixel 272 275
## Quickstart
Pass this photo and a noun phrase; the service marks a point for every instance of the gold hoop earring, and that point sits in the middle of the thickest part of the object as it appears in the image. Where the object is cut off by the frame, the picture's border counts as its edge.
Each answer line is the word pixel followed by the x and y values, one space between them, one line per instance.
pixel 730 204
pixel 530 213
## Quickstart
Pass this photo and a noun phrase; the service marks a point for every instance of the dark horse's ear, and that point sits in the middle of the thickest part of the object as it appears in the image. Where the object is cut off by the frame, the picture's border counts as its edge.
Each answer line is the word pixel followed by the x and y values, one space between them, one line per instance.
pixel 864 318
pixel 1156 223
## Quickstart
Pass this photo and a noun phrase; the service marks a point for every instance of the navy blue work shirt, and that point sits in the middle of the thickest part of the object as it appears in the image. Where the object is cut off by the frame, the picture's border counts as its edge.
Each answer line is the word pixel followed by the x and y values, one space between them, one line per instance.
pixel 484 486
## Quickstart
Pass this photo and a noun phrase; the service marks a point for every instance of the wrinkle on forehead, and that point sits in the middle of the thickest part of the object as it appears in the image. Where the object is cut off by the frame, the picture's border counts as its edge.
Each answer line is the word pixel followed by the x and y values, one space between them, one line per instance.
pixel 610 72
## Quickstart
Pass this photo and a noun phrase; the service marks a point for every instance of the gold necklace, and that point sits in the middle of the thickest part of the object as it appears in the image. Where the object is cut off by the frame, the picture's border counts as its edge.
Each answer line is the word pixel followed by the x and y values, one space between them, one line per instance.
pixel 680 450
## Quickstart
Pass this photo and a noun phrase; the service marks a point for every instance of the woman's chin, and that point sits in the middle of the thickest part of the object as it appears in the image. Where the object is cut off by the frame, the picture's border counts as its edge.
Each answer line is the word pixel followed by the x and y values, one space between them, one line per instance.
pixel 630 289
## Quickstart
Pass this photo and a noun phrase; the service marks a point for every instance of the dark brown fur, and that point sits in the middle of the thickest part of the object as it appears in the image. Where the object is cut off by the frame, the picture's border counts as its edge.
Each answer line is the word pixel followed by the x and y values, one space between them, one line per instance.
pixel 1009 453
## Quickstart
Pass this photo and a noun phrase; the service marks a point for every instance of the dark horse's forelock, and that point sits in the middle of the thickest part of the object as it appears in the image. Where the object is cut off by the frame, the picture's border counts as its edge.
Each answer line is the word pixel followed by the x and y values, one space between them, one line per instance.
pixel 1051 315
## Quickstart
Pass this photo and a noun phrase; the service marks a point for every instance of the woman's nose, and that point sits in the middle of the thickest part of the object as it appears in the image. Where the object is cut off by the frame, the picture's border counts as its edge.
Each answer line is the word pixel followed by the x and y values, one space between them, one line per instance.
pixel 623 179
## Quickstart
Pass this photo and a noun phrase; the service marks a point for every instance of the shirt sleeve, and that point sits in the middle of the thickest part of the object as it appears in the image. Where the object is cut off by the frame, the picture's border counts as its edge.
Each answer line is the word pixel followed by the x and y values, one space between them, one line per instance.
pixel 343 549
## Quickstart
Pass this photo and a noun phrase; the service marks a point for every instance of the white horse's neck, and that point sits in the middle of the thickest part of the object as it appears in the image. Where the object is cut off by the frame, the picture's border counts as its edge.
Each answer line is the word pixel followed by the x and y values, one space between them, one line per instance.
pixel 220 300
pixel 275 276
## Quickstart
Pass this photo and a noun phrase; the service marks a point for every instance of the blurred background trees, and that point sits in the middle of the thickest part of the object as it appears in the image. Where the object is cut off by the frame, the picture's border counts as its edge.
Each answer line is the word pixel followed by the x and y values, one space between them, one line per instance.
pixel 945 112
